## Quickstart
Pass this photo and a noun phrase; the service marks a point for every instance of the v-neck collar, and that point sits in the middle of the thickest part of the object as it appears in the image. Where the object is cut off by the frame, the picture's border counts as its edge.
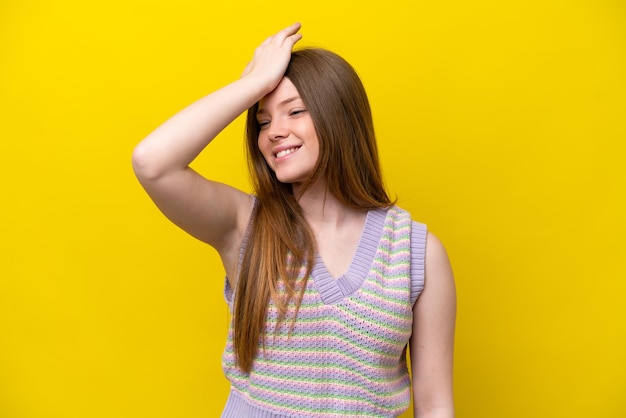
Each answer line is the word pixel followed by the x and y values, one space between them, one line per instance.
pixel 333 290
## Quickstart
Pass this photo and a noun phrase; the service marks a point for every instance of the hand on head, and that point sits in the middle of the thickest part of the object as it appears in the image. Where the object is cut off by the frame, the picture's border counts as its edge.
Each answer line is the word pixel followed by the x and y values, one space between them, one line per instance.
pixel 271 58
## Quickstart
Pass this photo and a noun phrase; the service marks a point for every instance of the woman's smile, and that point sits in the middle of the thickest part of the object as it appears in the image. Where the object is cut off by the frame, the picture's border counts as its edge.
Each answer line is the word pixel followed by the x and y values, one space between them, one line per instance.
pixel 287 138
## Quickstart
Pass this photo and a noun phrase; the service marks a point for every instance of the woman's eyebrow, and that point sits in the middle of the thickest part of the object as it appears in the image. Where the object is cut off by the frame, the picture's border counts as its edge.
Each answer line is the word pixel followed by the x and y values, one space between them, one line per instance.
pixel 284 102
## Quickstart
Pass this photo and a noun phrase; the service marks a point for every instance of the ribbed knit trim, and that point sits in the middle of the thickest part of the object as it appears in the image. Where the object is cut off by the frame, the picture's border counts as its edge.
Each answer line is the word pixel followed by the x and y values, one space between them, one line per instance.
pixel 418 256
pixel 238 407
pixel 331 289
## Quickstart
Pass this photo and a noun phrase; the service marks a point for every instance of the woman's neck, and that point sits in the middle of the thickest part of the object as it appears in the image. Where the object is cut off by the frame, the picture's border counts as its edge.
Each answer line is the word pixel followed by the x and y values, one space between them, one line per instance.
pixel 322 208
pixel 336 227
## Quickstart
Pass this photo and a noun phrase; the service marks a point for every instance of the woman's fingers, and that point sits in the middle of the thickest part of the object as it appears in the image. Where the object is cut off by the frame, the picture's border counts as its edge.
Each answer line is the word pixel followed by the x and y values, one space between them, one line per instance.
pixel 271 58
pixel 286 33
pixel 291 32
pixel 294 38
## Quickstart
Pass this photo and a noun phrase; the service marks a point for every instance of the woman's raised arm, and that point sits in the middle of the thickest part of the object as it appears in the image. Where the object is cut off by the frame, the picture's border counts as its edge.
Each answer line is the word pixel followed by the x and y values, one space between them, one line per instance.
pixel 212 212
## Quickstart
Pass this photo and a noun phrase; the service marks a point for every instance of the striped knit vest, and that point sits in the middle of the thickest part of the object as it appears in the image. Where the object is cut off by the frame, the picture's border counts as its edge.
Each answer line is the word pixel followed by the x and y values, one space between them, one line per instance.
pixel 346 354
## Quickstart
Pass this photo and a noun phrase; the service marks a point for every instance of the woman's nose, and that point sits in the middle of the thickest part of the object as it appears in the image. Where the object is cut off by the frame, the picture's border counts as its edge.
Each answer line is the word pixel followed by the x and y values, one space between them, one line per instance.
pixel 277 130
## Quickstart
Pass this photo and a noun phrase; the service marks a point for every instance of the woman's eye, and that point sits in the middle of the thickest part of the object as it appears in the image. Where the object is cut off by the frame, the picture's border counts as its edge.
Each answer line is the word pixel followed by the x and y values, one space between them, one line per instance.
pixel 263 124
pixel 297 112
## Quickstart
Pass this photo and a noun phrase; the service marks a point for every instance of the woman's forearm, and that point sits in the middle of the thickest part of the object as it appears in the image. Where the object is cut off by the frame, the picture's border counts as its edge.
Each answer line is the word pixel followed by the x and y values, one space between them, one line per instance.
pixel 179 140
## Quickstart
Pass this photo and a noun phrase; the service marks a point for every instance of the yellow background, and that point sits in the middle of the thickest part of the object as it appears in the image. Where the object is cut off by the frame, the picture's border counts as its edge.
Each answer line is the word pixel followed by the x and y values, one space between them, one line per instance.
pixel 501 126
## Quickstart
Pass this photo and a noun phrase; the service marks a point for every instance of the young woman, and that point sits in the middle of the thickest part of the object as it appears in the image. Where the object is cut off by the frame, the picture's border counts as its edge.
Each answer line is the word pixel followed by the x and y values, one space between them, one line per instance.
pixel 328 281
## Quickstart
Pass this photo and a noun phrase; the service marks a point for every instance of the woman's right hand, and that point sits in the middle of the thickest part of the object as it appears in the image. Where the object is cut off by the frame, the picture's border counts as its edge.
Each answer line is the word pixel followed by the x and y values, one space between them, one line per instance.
pixel 271 58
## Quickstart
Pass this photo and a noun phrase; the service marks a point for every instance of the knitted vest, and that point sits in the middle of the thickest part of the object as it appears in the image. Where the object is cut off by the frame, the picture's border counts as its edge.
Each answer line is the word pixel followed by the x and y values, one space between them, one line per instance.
pixel 346 355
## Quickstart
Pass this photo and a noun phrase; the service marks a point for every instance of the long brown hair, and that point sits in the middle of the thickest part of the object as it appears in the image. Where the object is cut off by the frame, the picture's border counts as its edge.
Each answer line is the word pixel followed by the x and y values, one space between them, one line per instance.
pixel 348 161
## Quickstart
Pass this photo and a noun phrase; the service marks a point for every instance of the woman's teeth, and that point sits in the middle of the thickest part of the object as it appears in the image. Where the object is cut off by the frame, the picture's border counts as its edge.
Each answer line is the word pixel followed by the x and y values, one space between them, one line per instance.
pixel 286 152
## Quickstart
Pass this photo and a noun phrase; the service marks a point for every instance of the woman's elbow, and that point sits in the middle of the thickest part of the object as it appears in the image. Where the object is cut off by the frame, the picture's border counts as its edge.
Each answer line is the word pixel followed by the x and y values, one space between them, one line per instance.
pixel 144 164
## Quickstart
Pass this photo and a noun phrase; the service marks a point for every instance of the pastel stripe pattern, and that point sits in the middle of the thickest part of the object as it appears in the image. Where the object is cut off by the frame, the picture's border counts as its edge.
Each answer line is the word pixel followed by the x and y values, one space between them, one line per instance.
pixel 346 355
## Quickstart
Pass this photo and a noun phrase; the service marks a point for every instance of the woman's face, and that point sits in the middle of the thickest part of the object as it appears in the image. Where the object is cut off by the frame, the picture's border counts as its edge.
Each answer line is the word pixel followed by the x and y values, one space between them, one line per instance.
pixel 287 137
